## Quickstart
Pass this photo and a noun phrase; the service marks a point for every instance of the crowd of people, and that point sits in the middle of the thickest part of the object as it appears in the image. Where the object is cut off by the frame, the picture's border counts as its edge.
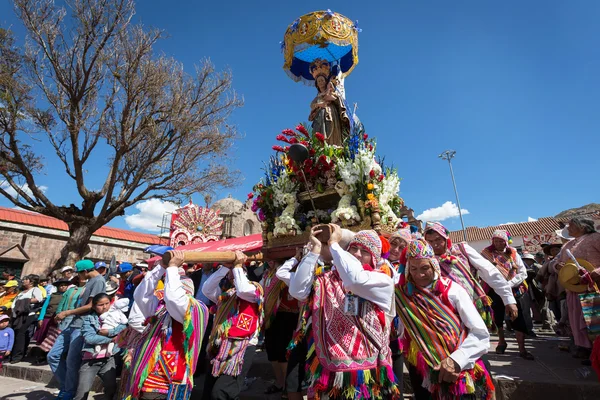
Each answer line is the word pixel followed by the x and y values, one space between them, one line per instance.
pixel 340 320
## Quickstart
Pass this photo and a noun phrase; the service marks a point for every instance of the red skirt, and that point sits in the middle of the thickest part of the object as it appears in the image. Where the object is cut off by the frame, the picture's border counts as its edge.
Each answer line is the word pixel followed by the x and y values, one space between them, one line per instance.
pixel 51 336
pixel 42 331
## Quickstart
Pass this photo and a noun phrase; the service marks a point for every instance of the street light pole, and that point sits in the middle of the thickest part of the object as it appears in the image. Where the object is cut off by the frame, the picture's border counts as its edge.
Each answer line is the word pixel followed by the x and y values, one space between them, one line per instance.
pixel 448 155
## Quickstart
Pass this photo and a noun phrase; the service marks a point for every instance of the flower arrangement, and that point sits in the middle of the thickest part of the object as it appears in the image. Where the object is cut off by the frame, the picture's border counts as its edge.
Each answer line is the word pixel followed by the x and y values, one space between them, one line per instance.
pixel 361 181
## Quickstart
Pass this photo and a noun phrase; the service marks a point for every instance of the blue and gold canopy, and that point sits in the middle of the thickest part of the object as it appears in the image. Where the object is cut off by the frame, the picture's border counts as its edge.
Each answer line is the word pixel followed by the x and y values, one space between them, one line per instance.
pixel 321 35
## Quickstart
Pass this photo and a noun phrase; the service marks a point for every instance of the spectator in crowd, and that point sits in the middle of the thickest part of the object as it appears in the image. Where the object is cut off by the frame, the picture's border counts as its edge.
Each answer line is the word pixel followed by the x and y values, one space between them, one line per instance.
pixel 46 317
pixel 67 272
pixel 24 313
pixel 98 357
pixel 102 269
pixel 65 357
pixel 11 290
pixel 7 338
pixel 10 275
pixel 126 285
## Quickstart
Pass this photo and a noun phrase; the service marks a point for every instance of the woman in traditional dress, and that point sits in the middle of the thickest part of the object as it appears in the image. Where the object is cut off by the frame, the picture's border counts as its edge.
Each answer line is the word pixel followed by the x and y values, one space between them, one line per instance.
pixel 164 364
pixel 348 302
pixel 444 335
pixel 46 318
pixel 462 263
pixel 238 318
pixel 586 246
pixel 509 263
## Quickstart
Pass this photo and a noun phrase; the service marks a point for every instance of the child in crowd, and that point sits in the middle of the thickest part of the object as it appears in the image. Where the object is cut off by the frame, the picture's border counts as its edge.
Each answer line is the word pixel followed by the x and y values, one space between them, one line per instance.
pixel 114 317
pixel 7 338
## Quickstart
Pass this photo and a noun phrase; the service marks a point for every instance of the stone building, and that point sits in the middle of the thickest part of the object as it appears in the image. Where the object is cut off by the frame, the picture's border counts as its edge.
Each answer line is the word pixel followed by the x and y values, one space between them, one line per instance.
pixel 239 220
pixel 31 243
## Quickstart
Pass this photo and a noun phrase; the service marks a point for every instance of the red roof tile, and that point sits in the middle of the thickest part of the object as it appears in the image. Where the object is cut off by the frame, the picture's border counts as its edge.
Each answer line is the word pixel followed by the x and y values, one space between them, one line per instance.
pixel 542 225
pixel 29 218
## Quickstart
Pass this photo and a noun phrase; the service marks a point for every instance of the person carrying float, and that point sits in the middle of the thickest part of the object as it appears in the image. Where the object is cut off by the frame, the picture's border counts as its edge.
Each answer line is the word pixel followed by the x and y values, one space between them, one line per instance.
pixel 346 319
pixel 463 264
pixel 444 335
pixel 163 365
pixel 238 318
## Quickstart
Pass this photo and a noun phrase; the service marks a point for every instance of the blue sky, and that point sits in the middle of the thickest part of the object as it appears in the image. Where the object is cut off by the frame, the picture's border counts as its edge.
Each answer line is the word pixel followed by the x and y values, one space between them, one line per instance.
pixel 512 86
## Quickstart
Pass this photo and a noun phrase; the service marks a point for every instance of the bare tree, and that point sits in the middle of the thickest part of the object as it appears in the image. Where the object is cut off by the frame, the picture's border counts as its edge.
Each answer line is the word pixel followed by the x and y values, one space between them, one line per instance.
pixel 88 81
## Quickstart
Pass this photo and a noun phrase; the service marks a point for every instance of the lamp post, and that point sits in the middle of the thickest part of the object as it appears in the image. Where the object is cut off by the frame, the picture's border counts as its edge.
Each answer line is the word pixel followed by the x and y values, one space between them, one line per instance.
pixel 448 155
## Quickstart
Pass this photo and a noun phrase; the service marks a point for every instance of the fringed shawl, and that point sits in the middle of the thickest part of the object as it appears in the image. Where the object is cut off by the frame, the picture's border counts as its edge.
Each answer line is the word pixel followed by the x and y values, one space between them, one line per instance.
pixel 433 331
pixel 455 265
pixel 155 336
pixel 507 265
pixel 348 356
pixel 273 289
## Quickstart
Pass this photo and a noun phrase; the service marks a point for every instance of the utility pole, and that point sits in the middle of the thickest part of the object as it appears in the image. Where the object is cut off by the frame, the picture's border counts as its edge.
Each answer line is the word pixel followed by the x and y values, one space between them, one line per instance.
pixel 448 155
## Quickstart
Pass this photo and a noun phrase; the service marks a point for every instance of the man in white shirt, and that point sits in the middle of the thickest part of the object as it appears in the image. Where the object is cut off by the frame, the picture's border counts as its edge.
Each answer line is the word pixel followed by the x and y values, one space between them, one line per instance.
pixel 234 336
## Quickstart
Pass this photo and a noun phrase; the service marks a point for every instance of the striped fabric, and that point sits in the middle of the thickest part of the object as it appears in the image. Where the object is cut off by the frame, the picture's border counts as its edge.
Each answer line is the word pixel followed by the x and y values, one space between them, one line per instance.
pixel 590 305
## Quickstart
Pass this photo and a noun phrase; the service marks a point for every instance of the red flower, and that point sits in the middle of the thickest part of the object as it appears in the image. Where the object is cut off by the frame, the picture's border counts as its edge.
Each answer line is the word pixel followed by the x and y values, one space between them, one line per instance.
pixel 304 142
pixel 282 138
pixel 381 177
pixel 372 173
pixel 320 136
pixel 288 132
pixel 323 159
pixel 365 136
pixel 278 148
pixel 331 164
pixel 370 147
pixel 300 128
pixel 286 148
pixel 309 163
pixel 293 140
pixel 312 152
pixel 250 195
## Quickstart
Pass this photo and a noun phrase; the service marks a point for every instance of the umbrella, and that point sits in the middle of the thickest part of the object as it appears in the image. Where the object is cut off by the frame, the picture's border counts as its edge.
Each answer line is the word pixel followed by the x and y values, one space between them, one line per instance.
pixel 158 249
pixel 320 35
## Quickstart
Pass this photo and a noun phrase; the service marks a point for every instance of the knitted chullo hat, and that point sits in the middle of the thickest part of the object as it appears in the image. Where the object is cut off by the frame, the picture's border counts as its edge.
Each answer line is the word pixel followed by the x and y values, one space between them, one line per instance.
pixel 439 229
pixel 416 249
pixel 403 234
pixel 502 234
pixel 369 241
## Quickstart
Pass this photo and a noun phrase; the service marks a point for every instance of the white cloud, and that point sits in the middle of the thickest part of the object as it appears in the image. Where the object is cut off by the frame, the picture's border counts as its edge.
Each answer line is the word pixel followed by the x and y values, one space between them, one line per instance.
pixel 529 219
pixel 150 214
pixel 25 187
pixel 445 211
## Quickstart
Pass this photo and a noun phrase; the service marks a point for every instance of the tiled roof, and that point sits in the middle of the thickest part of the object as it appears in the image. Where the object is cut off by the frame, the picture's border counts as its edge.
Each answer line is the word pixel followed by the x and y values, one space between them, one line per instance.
pixel 29 218
pixel 542 225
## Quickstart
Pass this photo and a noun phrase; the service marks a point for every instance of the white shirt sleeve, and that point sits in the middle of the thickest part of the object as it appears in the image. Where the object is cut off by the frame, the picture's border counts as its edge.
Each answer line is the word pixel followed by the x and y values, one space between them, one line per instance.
pixel 244 289
pixel 521 274
pixel 136 318
pixel 144 294
pixel 477 342
pixel 176 300
pixel 490 275
pixel 301 281
pixel 211 287
pixel 373 286
pixel 284 273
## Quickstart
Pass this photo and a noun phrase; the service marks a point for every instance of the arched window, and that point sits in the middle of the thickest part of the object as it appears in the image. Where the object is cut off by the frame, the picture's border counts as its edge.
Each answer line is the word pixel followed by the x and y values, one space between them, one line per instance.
pixel 248 227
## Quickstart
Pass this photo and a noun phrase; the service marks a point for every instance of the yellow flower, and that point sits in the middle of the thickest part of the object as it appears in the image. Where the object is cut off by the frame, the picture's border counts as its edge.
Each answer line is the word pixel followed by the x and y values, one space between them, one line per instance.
pixel 370 186
pixel 370 196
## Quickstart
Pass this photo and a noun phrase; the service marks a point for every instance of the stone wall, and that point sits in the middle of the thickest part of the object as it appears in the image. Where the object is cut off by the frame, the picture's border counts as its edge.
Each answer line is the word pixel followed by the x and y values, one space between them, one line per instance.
pixel 43 248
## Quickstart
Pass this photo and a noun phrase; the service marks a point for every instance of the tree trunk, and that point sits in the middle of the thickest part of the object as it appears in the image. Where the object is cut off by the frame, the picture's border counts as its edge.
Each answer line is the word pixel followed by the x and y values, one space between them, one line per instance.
pixel 76 247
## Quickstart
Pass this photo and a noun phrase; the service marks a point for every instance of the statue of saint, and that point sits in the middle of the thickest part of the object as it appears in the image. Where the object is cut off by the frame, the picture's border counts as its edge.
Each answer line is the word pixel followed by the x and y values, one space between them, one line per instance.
pixel 327 110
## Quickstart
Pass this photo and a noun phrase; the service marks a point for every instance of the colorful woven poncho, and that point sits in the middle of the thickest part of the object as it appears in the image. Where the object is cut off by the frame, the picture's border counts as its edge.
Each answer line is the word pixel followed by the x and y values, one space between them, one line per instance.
pixel 455 265
pixel 226 349
pixel 348 356
pixel 507 265
pixel 433 331
pixel 150 355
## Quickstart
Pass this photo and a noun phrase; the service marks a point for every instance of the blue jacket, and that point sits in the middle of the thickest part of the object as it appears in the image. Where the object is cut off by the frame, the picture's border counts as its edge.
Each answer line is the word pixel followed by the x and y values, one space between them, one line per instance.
pixel 89 332
pixel 7 338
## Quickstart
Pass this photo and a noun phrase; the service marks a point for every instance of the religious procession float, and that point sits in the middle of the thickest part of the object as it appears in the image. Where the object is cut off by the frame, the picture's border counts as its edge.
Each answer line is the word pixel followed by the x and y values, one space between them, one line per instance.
pixel 324 170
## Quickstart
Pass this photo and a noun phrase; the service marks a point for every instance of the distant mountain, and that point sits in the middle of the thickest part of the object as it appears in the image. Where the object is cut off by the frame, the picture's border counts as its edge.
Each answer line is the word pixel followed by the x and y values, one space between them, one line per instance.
pixel 590 208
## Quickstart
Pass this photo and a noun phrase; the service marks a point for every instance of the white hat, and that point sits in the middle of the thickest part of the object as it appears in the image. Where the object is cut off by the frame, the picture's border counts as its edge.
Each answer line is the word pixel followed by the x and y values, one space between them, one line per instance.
pixel 564 234
pixel 67 268
pixel 528 256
